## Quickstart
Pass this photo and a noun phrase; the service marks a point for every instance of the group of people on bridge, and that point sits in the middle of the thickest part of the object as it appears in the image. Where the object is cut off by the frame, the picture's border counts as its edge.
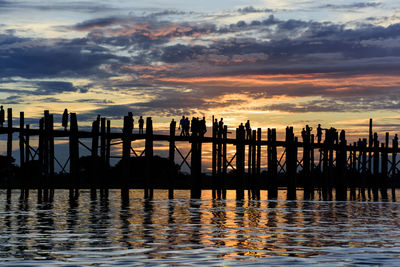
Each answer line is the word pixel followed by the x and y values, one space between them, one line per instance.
pixel 65 119
pixel 196 126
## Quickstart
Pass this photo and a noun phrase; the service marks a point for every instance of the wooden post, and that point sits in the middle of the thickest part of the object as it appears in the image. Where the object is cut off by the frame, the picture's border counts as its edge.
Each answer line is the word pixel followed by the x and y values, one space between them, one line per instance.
pixel 103 167
pixel 74 157
pixel 291 163
pixel 195 191
pixel 384 169
pixel 224 161
pixel 126 155
pixel 94 172
pixel 21 139
pixel 272 165
pixel 9 132
pixel 353 172
pixel 41 155
pixel 219 164
pixel 376 168
pixel 95 139
pixel 341 159
pixel 331 177
pixel 312 167
pixel 240 156
pixel 258 170
pixel 103 140
pixel 45 166
pixel 26 196
pixel 249 160
pixel 21 154
pixel 27 145
pixel 306 164
pixel 172 129
pixel 312 155
pixel 149 158
pixel 325 166
pixel 371 144
pixel 363 167
pixel 253 165
pixel 395 146
pixel 108 148
pixel 214 159
pixel 51 156
pixel 107 160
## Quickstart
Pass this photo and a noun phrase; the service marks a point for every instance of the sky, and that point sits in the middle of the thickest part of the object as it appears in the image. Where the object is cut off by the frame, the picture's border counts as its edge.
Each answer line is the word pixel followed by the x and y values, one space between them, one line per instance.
pixel 276 63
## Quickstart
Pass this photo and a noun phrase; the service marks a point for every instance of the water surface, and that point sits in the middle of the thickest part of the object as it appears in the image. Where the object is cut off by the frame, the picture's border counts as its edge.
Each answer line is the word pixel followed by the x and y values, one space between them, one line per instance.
pixel 205 232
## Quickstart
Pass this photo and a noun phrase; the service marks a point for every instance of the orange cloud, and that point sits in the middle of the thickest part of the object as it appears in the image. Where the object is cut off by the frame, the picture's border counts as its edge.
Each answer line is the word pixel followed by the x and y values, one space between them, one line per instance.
pixel 340 84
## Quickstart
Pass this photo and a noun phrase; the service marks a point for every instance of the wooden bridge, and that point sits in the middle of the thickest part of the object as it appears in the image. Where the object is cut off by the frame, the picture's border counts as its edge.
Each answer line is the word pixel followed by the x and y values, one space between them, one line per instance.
pixel 368 166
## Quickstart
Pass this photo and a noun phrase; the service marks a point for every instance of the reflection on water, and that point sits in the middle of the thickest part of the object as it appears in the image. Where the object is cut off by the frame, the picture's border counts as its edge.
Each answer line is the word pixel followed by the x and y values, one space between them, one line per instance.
pixel 183 231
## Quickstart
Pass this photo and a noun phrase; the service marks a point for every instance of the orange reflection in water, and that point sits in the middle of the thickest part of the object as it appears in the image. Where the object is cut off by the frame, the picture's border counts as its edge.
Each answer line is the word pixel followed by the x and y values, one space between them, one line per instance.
pixel 185 229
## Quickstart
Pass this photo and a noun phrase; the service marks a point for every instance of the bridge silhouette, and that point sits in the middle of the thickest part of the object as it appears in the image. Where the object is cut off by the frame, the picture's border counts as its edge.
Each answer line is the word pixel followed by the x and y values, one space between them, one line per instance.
pixel 369 166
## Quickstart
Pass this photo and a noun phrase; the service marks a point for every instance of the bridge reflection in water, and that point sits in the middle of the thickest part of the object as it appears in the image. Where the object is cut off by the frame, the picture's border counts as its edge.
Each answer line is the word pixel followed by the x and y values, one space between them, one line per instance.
pixel 186 231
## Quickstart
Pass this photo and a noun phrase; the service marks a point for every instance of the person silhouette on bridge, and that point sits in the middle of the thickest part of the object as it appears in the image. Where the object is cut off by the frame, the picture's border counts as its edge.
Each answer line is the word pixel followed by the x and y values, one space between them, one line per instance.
pixel 248 130
pixel 2 118
pixel 319 133
pixel 203 127
pixel 187 126
pixel 215 126
pixel 141 123
pixel 182 126
pixel 64 120
pixel 221 127
pixel 130 115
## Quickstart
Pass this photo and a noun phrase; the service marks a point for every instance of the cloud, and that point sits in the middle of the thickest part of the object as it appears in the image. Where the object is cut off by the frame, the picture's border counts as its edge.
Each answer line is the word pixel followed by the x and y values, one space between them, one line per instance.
pixel 331 105
pixel 96 23
pixel 251 9
pixel 352 5
pixel 82 7
pixel 183 66
pixel 30 58
pixel 55 87
pixel 12 100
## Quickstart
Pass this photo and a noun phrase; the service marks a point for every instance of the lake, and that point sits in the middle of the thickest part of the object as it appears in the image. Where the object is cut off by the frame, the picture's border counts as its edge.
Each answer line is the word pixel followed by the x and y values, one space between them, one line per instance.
pixel 203 231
